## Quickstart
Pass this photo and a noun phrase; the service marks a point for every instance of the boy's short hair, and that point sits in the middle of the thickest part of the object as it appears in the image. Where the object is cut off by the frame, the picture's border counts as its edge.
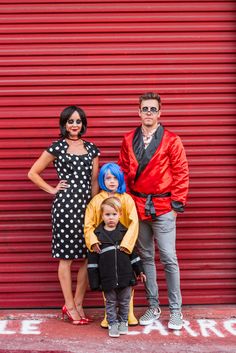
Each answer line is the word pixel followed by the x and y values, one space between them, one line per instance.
pixel 115 170
pixel 113 202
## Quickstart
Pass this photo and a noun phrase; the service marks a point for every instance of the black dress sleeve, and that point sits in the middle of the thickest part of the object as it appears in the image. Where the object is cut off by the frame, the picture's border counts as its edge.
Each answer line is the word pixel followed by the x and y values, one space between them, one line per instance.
pixel 54 149
pixel 93 149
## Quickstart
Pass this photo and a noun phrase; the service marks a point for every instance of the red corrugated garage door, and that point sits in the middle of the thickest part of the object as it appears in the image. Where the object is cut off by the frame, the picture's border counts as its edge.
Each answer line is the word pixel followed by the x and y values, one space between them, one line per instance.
pixel 102 55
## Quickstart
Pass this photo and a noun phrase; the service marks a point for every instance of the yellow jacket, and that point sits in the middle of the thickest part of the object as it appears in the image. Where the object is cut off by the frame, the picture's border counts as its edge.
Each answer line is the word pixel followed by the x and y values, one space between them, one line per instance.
pixel 129 218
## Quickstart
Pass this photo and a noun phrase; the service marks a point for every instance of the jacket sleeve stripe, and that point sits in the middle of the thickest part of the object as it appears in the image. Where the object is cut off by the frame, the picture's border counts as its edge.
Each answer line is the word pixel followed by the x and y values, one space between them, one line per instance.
pixel 92 266
pixel 135 260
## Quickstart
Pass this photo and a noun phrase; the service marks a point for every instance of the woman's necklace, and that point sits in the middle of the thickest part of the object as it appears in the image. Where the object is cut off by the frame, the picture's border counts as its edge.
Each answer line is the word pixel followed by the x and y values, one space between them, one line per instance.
pixel 73 139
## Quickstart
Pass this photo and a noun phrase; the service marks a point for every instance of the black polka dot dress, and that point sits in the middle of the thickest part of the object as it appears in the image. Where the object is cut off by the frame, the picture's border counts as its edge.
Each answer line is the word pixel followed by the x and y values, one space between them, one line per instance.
pixel 69 205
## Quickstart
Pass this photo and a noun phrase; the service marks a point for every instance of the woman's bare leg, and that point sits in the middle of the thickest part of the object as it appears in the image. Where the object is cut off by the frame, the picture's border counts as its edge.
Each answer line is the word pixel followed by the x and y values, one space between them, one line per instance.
pixel 82 284
pixel 64 275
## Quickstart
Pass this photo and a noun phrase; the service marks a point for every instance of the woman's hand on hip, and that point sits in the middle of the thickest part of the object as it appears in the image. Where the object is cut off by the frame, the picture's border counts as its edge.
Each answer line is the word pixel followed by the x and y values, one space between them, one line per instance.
pixel 62 185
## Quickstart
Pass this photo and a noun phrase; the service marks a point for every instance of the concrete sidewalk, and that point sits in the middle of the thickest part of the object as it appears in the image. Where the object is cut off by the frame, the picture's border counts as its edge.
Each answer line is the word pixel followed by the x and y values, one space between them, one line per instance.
pixel 207 329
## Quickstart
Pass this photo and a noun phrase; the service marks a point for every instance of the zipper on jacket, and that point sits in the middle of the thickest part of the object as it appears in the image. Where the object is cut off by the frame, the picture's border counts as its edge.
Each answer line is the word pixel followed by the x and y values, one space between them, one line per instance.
pixel 116 270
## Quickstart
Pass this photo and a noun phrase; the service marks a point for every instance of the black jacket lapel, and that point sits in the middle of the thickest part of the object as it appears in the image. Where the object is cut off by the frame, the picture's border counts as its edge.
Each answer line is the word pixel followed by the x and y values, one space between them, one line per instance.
pixel 105 238
pixel 138 144
pixel 144 156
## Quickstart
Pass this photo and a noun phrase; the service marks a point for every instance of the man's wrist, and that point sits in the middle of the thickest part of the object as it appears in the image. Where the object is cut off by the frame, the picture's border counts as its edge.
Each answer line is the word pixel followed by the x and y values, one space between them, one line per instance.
pixel 177 206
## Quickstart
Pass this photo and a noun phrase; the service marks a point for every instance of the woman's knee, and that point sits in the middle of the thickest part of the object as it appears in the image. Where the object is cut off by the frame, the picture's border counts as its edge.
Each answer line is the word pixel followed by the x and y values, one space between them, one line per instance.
pixel 65 264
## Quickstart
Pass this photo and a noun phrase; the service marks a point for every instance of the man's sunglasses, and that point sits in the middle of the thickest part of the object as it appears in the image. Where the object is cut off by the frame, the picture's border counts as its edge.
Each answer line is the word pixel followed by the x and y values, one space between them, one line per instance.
pixel 152 110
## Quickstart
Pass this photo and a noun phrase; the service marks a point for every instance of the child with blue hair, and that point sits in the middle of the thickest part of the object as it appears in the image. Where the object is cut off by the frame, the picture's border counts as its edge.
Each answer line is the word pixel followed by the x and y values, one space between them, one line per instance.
pixel 112 183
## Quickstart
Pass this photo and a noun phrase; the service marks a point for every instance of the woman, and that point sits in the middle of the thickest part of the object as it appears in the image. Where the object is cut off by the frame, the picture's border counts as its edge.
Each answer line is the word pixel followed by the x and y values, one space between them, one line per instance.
pixel 76 162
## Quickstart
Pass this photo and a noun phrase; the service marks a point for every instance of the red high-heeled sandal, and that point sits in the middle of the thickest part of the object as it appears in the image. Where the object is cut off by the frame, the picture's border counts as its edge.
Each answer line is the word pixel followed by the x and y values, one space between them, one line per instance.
pixel 87 318
pixel 67 314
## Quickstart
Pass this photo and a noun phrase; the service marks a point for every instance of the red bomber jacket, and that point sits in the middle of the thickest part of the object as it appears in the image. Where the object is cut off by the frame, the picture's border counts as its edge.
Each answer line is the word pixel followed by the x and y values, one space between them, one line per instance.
pixel 156 177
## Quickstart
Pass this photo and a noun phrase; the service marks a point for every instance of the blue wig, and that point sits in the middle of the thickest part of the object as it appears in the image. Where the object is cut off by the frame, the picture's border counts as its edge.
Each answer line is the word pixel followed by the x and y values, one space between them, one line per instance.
pixel 115 170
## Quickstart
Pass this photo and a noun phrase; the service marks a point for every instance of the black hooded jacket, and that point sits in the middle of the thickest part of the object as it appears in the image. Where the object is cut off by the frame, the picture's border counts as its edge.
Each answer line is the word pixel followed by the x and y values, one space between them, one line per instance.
pixel 112 268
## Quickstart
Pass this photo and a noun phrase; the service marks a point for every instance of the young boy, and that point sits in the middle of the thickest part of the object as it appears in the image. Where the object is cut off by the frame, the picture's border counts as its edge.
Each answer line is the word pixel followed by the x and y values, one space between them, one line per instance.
pixel 112 270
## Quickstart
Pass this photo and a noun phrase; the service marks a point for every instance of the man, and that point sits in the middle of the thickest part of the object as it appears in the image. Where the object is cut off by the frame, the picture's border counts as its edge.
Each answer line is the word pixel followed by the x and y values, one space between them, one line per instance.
pixel 156 172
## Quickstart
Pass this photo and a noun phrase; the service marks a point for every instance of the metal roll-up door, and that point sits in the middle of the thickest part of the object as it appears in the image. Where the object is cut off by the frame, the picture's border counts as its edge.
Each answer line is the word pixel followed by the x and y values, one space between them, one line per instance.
pixel 102 55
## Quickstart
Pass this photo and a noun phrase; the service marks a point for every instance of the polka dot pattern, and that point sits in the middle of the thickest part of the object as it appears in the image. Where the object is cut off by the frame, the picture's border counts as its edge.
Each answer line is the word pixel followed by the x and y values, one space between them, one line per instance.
pixel 69 205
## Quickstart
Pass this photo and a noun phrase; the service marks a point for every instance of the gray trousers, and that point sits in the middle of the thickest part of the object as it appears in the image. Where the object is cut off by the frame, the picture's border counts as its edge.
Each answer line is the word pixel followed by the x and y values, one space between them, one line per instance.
pixel 163 231
pixel 117 297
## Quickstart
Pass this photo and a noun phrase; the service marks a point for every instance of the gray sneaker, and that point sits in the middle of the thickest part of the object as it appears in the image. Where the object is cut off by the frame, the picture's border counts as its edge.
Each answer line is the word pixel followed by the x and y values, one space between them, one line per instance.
pixel 176 320
pixel 113 330
pixel 150 316
pixel 123 328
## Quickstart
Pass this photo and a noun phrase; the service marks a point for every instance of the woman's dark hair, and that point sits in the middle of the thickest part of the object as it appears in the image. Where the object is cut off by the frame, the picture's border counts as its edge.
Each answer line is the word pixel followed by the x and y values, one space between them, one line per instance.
pixel 66 114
